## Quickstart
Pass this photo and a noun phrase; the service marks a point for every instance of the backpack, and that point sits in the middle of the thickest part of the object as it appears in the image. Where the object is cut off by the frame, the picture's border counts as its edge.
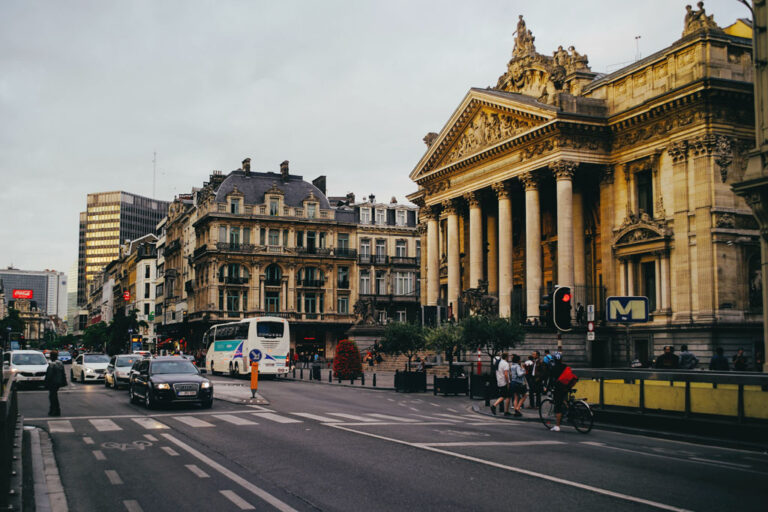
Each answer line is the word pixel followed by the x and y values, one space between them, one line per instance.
pixel 495 364
pixel 567 378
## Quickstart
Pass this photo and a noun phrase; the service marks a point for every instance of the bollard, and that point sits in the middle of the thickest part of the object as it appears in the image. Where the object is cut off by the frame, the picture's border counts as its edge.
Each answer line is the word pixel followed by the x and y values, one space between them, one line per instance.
pixel 301 374
pixel 374 380
pixel 294 372
pixel 362 379
pixel 352 380
pixel 254 378
pixel 330 376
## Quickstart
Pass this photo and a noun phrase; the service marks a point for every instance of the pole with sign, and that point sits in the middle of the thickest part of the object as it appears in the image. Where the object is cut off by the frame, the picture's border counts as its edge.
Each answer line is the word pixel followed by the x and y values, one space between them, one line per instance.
pixel 590 322
pixel 626 310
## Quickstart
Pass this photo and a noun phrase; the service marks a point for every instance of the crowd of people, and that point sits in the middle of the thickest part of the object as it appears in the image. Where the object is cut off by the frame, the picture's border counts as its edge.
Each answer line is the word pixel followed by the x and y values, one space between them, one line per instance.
pixel 687 360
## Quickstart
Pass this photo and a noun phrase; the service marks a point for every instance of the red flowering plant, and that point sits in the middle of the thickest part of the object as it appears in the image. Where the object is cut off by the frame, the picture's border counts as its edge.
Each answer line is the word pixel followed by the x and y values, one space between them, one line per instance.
pixel 347 363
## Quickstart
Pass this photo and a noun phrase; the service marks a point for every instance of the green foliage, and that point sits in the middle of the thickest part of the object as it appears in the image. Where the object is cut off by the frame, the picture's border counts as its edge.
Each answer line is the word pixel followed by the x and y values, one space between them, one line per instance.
pixel 13 321
pixel 95 336
pixel 347 363
pixel 446 339
pixel 491 334
pixel 402 338
pixel 119 338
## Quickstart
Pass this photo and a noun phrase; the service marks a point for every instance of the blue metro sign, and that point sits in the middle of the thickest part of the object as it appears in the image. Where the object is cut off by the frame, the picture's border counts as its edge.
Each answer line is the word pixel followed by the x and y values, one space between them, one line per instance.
pixel 626 309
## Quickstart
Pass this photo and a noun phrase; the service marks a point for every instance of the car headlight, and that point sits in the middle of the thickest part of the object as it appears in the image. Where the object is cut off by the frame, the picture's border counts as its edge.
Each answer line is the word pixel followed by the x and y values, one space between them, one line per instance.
pixel 14 370
pixel 205 385
pixel 89 370
pixel 162 385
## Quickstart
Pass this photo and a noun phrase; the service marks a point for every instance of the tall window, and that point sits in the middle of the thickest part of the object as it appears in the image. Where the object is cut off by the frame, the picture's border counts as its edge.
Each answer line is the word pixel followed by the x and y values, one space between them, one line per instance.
pixel 263 236
pixel 381 216
pixel 223 234
pixel 146 308
pixel 272 302
pixel 343 242
pixel 381 251
pixel 246 235
pixel 299 238
pixel 400 217
pixel 311 240
pixel 234 206
pixel 234 236
pixel 146 271
pixel 343 305
pixel 285 238
pixel 381 282
pixel 365 215
pixel 400 249
pixel 233 302
pixel 321 242
pixel 418 249
pixel 274 206
pixel 274 237
pixel 644 181
pixel 365 282
pixel 403 282
pixel 311 210
pixel 400 315
pixel 365 247
pixel 146 290
pixel 343 273
pixel 273 275
pixel 648 271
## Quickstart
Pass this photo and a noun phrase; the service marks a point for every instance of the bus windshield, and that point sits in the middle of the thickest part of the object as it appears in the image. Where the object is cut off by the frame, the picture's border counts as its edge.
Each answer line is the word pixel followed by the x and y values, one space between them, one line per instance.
pixel 270 329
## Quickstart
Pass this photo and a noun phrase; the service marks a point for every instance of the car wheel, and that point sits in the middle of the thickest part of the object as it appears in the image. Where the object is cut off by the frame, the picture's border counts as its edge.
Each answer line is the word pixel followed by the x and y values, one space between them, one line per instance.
pixel 134 399
pixel 237 370
pixel 148 402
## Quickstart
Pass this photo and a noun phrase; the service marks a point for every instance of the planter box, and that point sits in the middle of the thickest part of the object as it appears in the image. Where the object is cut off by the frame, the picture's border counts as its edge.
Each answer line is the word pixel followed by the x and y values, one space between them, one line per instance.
pixel 450 385
pixel 410 382
pixel 482 386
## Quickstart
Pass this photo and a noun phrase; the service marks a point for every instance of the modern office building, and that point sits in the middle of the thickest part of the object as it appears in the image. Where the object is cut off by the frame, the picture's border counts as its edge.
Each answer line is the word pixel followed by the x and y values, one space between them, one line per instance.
pixel 46 288
pixel 112 218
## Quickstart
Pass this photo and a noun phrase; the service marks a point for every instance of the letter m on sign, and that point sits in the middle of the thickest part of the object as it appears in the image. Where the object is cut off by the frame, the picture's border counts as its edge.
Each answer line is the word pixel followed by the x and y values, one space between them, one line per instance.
pixel 626 309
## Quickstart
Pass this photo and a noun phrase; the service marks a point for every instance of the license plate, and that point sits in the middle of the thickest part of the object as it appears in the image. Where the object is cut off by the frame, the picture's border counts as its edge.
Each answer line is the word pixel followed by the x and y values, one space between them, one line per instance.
pixel 187 393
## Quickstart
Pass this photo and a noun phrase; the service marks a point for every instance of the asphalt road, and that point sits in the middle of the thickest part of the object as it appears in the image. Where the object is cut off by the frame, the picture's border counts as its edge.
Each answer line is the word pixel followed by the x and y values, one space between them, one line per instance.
pixel 317 447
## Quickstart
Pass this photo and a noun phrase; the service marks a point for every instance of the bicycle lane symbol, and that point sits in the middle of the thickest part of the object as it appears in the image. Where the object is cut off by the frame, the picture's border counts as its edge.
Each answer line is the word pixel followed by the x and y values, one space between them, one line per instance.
pixel 136 445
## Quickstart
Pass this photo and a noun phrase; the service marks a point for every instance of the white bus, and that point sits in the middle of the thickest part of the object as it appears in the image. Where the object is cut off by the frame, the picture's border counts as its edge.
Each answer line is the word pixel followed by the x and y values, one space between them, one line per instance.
pixel 232 346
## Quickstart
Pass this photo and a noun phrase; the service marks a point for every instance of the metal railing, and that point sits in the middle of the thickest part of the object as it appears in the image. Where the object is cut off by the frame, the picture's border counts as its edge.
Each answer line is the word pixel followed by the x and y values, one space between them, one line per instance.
pixel 9 447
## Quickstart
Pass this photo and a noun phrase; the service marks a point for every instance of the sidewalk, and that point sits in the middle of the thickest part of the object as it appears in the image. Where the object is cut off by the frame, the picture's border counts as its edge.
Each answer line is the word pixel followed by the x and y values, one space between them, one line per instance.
pixel 237 394
pixel 383 379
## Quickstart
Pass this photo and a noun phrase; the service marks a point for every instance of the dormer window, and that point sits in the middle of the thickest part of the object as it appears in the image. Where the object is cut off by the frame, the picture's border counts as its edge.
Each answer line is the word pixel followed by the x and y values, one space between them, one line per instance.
pixel 381 216
pixel 234 206
pixel 274 206
pixel 311 210
pixel 365 215
pixel 400 217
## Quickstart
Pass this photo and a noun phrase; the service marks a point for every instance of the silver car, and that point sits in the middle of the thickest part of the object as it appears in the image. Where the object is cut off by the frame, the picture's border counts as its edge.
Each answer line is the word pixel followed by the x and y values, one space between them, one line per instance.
pixel 119 370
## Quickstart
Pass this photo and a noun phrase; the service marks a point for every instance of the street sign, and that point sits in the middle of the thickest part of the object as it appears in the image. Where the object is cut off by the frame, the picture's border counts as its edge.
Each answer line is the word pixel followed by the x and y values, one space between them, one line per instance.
pixel 590 326
pixel 151 316
pixel 626 310
pixel 255 355
pixel 590 312
pixel 591 336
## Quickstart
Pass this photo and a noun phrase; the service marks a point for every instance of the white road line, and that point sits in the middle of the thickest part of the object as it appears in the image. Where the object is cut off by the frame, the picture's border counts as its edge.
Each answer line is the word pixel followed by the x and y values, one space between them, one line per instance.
pixel 316 417
pixel 264 495
pixel 64 426
pixel 721 462
pixel 192 421
pixel 260 408
pixel 150 423
pixel 414 409
pixel 87 440
pixel 395 418
pixel 275 417
pixel 99 455
pixel 435 418
pixel 113 477
pixel 132 506
pixel 235 420
pixel 391 399
pixel 352 417
pixel 105 425
pixel 436 405
pixel 237 500
pixel 150 437
pixel 130 416
pixel 493 443
pixel 452 410
pixel 197 471
pixel 170 451
pixel 513 469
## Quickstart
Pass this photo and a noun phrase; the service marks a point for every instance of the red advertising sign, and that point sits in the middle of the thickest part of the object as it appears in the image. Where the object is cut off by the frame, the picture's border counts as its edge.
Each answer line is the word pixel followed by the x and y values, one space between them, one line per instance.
pixel 126 296
pixel 22 294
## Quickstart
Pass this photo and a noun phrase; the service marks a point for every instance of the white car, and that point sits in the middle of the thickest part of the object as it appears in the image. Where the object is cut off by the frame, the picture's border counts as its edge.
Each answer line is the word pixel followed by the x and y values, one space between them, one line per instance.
pixel 29 366
pixel 89 367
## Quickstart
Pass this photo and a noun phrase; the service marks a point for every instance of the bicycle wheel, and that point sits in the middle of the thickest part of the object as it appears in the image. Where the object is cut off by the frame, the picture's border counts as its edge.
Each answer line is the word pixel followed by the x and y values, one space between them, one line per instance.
pixel 582 416
pixel 547 413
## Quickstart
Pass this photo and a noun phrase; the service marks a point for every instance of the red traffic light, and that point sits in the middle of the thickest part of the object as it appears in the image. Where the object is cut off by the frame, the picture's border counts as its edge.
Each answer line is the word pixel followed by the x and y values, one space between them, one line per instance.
pixel 566 297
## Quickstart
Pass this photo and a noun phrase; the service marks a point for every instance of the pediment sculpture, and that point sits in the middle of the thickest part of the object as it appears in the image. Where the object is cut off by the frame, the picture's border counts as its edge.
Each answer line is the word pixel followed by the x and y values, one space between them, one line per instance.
pixel 486 129
pixel 479 301
pixel 639 228
pixel 365 311
pixel 697 19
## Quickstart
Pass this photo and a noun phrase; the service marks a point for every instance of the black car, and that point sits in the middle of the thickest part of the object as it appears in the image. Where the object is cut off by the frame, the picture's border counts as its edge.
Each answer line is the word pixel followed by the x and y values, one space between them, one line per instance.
pixel 166 380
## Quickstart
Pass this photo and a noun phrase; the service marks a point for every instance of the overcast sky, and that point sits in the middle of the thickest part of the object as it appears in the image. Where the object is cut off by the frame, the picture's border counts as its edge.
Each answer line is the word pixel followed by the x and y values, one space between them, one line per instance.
pixel 89 90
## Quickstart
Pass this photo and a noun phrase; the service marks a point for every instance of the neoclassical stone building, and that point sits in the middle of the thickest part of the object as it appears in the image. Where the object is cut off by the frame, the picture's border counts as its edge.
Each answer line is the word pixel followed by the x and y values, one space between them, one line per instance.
pixel 616 184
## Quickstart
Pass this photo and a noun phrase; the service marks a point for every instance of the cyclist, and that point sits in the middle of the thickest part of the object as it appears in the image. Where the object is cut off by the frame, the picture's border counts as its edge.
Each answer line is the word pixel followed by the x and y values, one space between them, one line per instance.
pixel 562 379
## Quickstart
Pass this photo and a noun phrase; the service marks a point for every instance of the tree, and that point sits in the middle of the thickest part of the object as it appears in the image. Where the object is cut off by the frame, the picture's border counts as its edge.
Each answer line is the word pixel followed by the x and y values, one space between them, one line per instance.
pixel 12 320
pixel 346 362
pixel 119 337
pixel 491 334
pixel 402 338
pixel 95 336
pixel 445 339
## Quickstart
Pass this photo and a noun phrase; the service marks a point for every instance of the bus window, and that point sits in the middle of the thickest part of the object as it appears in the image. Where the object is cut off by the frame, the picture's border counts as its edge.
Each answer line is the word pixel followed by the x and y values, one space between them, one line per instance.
pixel 269 329
pixel 242 331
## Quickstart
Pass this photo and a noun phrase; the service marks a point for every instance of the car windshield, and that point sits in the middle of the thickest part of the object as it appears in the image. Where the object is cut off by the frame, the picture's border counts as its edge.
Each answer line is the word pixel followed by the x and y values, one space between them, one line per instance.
pixel 180 366
pixel 64 354
pixel 95 358
pixel 126 361
pixel 29 359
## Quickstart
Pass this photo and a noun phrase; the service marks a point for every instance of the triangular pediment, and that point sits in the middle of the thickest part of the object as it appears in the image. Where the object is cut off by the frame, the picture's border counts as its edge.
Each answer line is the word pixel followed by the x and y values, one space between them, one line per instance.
pixel 483 120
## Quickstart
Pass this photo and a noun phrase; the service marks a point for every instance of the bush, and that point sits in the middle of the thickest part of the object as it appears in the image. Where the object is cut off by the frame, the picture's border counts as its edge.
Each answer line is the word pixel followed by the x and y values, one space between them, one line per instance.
pixel 347 363
pixel 402 338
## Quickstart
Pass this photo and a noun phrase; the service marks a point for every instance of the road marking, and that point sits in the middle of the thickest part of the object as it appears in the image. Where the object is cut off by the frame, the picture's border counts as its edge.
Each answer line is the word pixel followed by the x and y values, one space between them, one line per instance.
pixel 260 408
pixel 264 495
pixel 129 416
pixel 720 462
pixel 534 474
pixel 87 440
pixel 113 477
pixel 170 451
pixel 395 418
pixel 237 500
pixel 436 405
pixel 391 399
pixel 150 423
pixel 192 421
pixel 197 471
pixel 235 420
pixel 105 425
pixel 99 455
pixel 316 417
pixel 64 426
pixel 352 417
pixel 132 506
pixel 414 409
pixel 434 418
pixel 493 443
pixel 452 410
pixel 150 437
pixel 276 417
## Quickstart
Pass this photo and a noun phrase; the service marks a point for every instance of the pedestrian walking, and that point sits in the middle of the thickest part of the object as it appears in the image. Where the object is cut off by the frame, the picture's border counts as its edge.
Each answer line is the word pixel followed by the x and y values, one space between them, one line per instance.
pixel 668 360
pixel 502 384
pixel 55 378
pixel 719 362
pixel 740 361
pixel 533 376
pixel 518 390
pixel 688 361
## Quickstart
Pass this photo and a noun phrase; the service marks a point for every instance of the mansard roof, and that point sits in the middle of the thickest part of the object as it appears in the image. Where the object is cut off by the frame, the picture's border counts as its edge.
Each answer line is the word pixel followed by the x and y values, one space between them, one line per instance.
pixel 254 186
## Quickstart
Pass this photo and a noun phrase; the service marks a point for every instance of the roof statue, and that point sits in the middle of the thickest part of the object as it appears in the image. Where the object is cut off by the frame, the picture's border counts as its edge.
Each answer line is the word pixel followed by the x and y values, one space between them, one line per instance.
pixel 541 76
pixel 696 20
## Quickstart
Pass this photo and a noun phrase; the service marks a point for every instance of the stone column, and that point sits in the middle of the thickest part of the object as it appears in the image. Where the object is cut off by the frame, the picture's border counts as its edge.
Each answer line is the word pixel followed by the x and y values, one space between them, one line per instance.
pixel 623 278
pixel 454 277
pixel 607 208
pixel 532 245
pixel 563 171
pixel 505 248
pixel 475 239
pixel 665 282
pixel 658 281
pixel 630 276
pixel 262 305
pixel 493 256
pixel 681 276
pixel 579 249
pixel 701 149
pixel 433 256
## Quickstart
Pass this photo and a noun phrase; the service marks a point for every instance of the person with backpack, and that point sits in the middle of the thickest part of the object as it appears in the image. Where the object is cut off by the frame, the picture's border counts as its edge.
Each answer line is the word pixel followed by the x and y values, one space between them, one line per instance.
pixel 518 390
pixel 562 380
pixel 55 378
pixel 501 366
pixel 688 361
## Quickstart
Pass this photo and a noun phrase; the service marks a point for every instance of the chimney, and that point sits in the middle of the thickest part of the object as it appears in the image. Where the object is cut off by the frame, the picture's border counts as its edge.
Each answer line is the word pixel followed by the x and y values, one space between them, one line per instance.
pixel 247 166
pixel 372 198
pixel 319 182
pixel 284 170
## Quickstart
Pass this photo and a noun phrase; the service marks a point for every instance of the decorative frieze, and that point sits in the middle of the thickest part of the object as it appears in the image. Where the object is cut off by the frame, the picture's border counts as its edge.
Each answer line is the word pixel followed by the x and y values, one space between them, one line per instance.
pixel 486 129
pixel 723 155
pixel 450 207
pixel 473 199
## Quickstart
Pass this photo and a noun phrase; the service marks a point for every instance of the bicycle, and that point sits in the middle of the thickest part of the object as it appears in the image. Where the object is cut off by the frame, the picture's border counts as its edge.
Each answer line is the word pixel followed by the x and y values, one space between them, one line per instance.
pixel 577 412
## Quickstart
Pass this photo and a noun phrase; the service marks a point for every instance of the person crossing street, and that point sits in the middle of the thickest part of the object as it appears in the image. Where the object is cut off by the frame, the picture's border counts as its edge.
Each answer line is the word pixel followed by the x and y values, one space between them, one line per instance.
pixel 55 378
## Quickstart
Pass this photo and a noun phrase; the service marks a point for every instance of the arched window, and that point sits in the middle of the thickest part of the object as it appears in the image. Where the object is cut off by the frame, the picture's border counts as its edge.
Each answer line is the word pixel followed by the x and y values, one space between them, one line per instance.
pixel 233 273
pixel 273 275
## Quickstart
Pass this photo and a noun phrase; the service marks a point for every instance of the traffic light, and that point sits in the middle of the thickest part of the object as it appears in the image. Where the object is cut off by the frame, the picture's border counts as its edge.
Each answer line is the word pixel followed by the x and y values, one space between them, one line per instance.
pixel 561 308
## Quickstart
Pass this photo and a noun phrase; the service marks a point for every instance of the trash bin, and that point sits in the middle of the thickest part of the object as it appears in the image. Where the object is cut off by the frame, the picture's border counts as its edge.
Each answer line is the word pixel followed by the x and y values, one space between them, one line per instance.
pixel 316 371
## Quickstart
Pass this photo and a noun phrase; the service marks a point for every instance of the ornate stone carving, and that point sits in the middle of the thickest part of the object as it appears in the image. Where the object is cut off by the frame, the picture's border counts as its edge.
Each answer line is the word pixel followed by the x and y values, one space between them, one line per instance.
pixel 486 129
pixel 638 228
pixel 537 149
pixel 723 155
pixel 436 187
pixel 430 138
pixel 502 189
pixel 563 169
pixel 473 199
pixel 678 150
pixel 530 180
pixel 703 145
pixel 607 176
pixel 725 220
pixel 450 206
pixel 365 311
pixel 696 20
pixel 478 300
pixel 523 40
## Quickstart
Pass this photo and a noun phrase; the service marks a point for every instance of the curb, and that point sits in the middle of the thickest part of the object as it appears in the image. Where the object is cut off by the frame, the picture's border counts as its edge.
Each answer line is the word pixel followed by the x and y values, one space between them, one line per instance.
pixel 225 397
pixel 49 492
pixel 355 386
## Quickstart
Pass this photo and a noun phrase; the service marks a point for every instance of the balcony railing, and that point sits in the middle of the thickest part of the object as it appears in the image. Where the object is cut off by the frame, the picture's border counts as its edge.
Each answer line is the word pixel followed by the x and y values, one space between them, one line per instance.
pixel 343 252
pixel 343 284
pixel 174 246
pixel 372 259
pixel 233 280
pixel 314 251
pixel 273 282
pixel 403 260
pixel 200 251
pixel 244 248
pixel 311 283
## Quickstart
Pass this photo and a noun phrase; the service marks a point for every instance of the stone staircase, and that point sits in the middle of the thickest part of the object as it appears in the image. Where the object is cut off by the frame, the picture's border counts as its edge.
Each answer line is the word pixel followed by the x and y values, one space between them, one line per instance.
pixel 393 363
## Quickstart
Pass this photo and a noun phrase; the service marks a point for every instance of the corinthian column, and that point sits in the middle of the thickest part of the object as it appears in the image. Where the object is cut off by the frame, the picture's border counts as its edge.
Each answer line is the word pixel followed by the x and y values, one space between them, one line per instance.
pixel 579 249
pixel 563 171
pixel 532 245
pixel 433 256
pixel 505 248
pixel 493 256
pixel 475 239
pixel 454 278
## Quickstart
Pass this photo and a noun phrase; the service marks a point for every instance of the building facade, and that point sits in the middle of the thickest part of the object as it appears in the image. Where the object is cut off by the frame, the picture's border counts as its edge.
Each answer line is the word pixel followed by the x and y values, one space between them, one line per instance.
pixel 46 288
pixel 614 184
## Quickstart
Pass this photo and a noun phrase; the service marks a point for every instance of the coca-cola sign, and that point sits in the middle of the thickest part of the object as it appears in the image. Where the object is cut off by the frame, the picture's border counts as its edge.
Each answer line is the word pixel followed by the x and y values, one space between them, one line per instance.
pixel 22 294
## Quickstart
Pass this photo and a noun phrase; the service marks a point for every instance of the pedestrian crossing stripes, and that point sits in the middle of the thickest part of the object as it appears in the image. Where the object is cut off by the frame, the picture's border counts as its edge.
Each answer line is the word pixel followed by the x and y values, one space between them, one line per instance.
pixel 234 420
pixel 105 425
pixel 150 423
pixel 192 421
pixel 353 417
pixel 392 418
pixel 275 417
pixel 60 426
pixel 316 417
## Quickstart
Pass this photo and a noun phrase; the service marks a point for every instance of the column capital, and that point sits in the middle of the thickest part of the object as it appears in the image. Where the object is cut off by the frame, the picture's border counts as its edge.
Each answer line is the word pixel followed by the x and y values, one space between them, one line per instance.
pixel 502 189
pixel 473 199
pixel 678 150
pixel 703 145
pixel 450 206
pixel 606 177
pixel 563 169
pixel 430 212
pixel 529 180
